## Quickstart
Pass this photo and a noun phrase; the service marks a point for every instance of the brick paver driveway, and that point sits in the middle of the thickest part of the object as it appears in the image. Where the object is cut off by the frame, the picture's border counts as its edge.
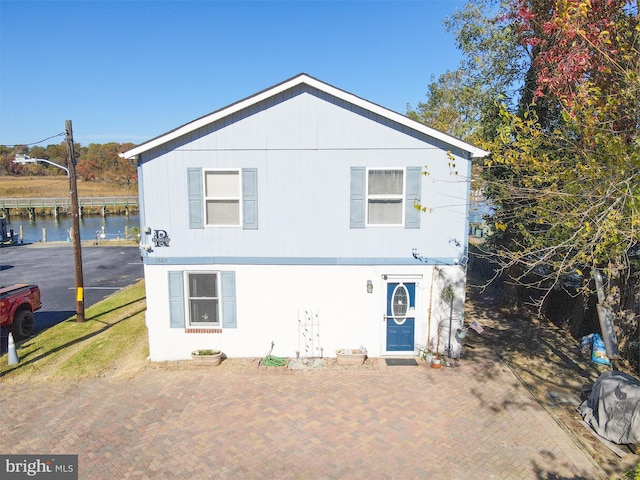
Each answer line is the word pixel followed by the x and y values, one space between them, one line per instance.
pixel 474 421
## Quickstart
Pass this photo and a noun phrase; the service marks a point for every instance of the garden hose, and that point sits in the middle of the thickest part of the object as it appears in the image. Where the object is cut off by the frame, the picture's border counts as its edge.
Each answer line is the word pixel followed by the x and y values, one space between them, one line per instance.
pixel 273 361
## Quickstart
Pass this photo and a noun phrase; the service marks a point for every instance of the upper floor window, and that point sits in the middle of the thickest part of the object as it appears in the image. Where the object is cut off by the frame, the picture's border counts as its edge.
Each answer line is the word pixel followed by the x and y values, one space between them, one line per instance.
pixel 385 194
pixel 222 195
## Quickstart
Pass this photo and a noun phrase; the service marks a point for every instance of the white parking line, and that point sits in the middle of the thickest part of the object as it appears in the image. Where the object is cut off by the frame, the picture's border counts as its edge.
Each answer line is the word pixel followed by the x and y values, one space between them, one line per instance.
pixel 98 288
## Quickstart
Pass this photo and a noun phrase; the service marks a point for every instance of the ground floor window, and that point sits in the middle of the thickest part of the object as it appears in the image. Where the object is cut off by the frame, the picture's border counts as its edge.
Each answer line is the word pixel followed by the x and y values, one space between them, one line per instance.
pixel 203 298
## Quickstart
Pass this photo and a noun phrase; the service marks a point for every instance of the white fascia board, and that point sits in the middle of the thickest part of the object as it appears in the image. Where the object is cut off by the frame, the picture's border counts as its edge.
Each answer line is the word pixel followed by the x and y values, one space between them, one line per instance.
pixel 293 82
pixel 397 117
pixel 208 119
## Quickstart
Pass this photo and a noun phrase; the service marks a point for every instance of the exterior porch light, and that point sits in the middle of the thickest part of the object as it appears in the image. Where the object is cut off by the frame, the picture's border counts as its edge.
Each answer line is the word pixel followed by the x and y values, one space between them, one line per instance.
pixel 369 286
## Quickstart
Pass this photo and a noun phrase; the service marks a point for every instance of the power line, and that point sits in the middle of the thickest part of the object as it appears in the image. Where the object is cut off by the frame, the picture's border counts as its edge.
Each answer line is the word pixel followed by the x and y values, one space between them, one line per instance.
pixel 40 141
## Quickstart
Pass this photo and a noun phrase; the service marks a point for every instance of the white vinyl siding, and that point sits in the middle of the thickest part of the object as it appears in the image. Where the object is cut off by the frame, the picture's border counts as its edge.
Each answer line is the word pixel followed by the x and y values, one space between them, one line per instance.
pixel 222 197
pixel 385 197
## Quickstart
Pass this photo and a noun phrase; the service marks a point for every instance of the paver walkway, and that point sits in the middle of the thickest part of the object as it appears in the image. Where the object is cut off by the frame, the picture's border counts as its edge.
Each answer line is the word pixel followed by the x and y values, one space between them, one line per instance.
pixel 474 421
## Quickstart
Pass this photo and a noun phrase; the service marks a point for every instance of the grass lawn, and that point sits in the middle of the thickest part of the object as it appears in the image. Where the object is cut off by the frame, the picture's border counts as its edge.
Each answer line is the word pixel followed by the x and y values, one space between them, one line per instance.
pixel 57 186
pixel 113 332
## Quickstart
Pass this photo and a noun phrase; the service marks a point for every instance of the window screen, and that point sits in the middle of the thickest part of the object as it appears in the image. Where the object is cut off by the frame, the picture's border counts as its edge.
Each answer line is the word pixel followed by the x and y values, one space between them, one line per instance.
pixel 222 197
pixel 385 190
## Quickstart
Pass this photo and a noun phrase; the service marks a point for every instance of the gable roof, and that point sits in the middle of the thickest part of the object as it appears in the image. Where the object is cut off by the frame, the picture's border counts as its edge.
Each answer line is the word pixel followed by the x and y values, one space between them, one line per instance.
pixel 300 79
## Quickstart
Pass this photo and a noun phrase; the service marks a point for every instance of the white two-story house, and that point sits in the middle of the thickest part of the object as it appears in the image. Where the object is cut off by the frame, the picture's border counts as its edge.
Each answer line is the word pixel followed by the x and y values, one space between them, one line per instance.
pixel 292 216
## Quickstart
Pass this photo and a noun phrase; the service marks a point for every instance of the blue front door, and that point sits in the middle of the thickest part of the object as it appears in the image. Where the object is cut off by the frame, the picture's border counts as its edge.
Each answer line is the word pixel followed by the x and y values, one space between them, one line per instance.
pixel 401 322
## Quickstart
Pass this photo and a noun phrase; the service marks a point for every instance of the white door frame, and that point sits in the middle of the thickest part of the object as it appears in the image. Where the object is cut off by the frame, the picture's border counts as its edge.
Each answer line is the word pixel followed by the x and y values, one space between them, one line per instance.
pixel 419 314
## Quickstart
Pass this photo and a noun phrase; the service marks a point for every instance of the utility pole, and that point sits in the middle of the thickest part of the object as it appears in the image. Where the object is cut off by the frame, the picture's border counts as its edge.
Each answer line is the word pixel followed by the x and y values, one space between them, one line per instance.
pixel 75 226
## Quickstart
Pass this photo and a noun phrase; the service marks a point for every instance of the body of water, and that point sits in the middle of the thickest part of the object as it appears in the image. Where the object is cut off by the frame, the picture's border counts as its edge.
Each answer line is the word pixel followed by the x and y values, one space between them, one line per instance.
pixel 57 230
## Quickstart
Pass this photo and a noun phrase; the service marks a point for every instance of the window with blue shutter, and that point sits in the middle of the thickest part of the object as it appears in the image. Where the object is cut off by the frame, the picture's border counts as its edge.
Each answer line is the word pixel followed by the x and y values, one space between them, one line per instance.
pixel 250 198
pixel 229 318
pixel 412 194
pixel 196 198
pixel 176 300
pixel 379 196
pixel 358 197
pixel 217 196
pixel 206 294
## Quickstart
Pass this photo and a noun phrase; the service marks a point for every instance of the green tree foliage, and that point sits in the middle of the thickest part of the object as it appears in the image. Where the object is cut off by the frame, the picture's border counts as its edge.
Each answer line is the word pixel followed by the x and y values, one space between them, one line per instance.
pixel 566 190
pixel 564 171
pixel 551 88
pixel 52 153
pixel 462 102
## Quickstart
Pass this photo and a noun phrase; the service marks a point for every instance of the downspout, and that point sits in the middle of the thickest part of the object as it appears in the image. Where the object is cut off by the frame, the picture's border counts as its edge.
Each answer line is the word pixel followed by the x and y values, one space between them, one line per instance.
pixel 433 274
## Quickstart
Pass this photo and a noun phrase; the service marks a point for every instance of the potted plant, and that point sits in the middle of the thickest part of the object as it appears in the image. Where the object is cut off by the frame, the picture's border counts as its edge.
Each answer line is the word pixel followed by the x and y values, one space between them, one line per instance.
pixel 436 361
pixel 206 357
pixel 427 356
pixel 462 332
pixel 428 353
pixel 351 356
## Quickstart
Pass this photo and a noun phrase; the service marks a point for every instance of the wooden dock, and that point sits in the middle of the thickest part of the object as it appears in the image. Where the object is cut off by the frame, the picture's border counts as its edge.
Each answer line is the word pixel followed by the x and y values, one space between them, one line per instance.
pixel 56 206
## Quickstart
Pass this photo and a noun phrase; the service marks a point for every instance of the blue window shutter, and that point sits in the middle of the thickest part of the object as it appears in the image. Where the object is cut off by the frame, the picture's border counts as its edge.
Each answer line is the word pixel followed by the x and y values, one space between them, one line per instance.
pixel 196 197
pixel 358 200
pixel 414 181
pixel 176 300
pixel 250 198
pixel 228 284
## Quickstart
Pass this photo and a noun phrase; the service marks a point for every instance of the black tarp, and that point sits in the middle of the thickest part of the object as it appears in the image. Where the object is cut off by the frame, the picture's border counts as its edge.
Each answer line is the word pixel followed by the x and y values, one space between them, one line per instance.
pixel 613 407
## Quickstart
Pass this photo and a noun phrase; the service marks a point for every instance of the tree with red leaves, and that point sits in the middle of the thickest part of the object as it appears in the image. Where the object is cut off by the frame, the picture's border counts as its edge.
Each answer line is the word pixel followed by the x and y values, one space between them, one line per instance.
pixel 564 170
pixel 584 52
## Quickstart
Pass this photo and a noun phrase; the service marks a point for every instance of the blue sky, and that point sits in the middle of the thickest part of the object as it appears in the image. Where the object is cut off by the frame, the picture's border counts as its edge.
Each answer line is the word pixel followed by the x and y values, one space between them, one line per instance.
pixel 128 71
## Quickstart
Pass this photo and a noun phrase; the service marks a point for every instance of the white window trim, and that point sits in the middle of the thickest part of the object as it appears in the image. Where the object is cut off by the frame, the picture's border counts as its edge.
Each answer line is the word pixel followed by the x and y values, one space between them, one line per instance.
pixel 401 196
pixel 188 298
pixel 206 198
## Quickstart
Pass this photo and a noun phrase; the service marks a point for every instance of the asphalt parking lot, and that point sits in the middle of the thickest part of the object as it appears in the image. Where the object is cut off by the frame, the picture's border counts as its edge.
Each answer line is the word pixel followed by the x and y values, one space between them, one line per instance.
pixel 51 266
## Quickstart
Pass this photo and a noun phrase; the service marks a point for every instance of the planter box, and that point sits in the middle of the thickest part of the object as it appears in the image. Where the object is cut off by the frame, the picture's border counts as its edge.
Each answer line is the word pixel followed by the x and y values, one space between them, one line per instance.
pixel 354 358
pixel 212 360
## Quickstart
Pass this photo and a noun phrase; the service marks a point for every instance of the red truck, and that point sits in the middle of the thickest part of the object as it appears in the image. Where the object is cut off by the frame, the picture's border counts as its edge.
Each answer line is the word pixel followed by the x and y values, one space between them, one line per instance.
pixel 17 304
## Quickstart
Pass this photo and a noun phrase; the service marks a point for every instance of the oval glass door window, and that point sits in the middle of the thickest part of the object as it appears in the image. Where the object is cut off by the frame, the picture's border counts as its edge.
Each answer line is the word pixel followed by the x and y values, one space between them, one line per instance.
pixel 400 304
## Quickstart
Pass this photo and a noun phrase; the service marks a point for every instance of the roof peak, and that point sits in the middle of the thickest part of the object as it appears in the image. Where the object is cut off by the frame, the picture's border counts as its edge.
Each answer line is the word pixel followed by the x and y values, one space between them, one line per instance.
pixel 286 85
